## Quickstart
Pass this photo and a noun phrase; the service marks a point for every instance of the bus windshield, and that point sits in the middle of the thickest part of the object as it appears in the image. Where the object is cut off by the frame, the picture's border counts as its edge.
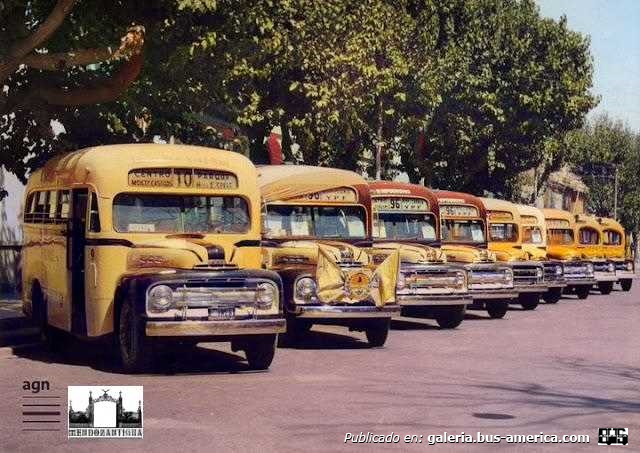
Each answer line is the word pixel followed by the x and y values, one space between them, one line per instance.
pixel 463 231
pixel 532 235
pixel 395 225
pixel 503 232
pixel 315 221
pixel 143 213
pixel 560 236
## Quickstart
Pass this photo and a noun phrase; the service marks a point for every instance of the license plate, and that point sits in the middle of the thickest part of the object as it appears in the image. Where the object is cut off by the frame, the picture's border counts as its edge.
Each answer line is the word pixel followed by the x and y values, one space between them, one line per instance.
pixel 222 313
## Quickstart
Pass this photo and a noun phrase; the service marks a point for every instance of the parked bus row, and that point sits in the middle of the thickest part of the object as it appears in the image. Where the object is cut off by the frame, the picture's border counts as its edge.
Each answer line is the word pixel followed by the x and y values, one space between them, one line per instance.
pixel 141 245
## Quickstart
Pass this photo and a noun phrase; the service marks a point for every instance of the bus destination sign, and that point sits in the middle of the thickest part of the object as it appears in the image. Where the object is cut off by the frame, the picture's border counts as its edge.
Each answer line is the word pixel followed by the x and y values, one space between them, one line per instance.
pixel 182 178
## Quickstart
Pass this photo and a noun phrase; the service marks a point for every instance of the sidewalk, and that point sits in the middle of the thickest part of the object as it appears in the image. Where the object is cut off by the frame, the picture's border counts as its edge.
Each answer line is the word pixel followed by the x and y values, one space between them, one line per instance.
pixel 15 328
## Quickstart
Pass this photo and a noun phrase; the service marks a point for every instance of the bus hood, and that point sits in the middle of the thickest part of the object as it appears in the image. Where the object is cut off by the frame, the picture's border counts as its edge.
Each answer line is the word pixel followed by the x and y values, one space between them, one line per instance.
pixel 506 254
pixel 535 252
pixel 467 254
pixel 563 252
pixel 168 253
pixel 409 253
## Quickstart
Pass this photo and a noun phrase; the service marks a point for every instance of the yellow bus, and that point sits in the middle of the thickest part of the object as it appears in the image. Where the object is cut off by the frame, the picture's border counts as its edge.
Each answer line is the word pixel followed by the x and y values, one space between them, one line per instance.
pixel 617 248
pixel 505 240
pixel 563 246
pixel 148 243
pixel 534 244
pixel 590 242
pixel 317 229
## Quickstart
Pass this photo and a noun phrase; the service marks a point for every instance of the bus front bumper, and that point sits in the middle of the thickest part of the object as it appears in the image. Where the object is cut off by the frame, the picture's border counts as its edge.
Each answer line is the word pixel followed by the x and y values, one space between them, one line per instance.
pixel 605 276
pixel 432 300
pixel 493 294
pixel 535 288
pixel 214 328
pixel 346 311
pixel 625 275
pixel 581 281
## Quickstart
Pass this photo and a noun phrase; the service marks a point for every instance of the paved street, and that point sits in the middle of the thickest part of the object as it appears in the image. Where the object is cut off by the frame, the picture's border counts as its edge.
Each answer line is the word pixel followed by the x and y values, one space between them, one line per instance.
pixel 568 368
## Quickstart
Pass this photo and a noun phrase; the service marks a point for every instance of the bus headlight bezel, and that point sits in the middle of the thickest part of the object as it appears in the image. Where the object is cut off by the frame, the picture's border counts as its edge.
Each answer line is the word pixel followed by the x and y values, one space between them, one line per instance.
pixel 266 295
pixel 160 299
pixel 305 289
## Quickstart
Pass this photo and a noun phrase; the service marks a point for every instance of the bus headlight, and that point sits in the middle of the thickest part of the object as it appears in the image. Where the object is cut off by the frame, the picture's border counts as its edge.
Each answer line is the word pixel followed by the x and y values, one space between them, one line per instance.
pixel 539 273
pixel 305 288
pixel 160 298
pixel 611 267
pixel 630 266
pixel 266 294
pixel 508 276
pixel 590 268
pixel 558 270
pixel 459 279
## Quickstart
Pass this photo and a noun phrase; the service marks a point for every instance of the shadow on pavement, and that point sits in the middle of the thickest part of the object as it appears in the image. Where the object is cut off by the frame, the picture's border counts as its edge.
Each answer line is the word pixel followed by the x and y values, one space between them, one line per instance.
pixel 413 324
pixel 170 359
pixel 476 316
pixel 315 339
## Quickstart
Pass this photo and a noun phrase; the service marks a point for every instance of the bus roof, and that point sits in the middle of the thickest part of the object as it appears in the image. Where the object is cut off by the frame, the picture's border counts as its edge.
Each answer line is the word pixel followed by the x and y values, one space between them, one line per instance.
pixel 531 211
pixel 611 224
pixel 559 214
pixel 447 196
pixel 107 167
pixel 396 188
pixel 282 182
pixel 493 204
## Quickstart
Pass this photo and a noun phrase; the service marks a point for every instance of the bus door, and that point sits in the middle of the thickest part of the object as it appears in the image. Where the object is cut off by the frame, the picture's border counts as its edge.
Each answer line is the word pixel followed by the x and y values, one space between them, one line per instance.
pixel 75 259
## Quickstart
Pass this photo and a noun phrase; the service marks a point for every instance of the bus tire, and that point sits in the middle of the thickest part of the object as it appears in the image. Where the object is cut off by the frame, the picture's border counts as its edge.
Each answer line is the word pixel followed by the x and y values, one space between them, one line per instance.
pixel 552 296
pixel 625 284
pixel 529 301
pixel 136 354
pixel 450 317
pixel 582 291
pixel 605 287
pixel 260 350
pixel 377 332
pixel 497 310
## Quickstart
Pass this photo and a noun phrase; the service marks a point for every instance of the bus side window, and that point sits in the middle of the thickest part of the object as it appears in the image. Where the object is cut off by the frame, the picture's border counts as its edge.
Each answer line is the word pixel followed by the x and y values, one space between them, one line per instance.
pixel 52 202
pixel 94 215
pixel 63 206
pixel 29 207
pixel 41 207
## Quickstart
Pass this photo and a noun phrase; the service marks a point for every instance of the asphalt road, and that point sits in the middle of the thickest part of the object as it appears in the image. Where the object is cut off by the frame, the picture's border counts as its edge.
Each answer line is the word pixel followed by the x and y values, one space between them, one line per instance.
pixel 568 368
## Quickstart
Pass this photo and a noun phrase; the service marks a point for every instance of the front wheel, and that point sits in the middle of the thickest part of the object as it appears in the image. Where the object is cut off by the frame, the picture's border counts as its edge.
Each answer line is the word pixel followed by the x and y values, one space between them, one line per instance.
pixel 529 301
pixel 553 295
pixel 626 284
pixel 377 332
pixel 582 291
pixel 450 317
pixel 497 310
pixel 134 347
pixel 260 351
pixel 605 287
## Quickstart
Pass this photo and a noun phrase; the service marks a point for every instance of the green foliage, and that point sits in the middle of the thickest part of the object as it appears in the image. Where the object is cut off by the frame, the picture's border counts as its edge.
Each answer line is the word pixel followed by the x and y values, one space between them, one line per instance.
pixel 488 81
pixel 597 150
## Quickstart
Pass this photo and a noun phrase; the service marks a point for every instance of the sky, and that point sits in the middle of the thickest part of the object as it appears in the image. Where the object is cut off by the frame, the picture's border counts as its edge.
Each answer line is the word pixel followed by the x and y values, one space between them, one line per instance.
pixel 614 29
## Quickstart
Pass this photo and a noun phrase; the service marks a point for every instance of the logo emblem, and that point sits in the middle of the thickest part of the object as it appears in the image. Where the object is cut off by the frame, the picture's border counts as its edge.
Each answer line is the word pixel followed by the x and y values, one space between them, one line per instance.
pixel 116 412
pixel 613 436
pixel 357 285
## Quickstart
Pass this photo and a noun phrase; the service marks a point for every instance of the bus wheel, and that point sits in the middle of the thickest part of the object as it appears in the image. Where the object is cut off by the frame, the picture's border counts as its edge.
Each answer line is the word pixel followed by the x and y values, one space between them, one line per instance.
pixel 135 350
pixel 605 287
pixel 552 296
pixel 450 317
pixel 626 284
pixel 497 310
pixel 583 291
pixel 529 301
pixel 377 332
pixel 260 350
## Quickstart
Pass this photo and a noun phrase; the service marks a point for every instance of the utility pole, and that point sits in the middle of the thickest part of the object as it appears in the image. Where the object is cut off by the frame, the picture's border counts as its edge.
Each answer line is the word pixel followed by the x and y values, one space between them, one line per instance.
pixel 379 143
pixel 615 193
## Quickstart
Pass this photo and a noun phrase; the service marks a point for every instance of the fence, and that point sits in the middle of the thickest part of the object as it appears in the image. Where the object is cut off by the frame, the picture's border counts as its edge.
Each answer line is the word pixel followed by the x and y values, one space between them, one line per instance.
pixel 10 269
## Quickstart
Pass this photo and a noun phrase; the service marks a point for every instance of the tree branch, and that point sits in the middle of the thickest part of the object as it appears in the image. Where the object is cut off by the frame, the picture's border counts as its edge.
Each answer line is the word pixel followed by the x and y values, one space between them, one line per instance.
pixel 130 44
pixel 21 48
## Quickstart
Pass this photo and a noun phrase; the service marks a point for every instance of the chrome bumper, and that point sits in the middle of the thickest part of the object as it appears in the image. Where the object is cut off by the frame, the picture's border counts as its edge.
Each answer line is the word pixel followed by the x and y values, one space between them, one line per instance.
pixel 605 277
pixel 423 300
pixel 214 328
pixel 536 288
pixel 346 311
pixel 625 274
pixel 581 281
pixel 488 294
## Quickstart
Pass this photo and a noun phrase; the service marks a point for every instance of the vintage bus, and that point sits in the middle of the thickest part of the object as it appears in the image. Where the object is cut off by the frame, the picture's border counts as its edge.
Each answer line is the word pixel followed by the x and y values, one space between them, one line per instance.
pixel 406 218
pixel 316 232
pixel 534 243
pixel 505 240
pixel 590 242
pixel 149 243
pixel 617 248
pixel 463 231
pixel 563 246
